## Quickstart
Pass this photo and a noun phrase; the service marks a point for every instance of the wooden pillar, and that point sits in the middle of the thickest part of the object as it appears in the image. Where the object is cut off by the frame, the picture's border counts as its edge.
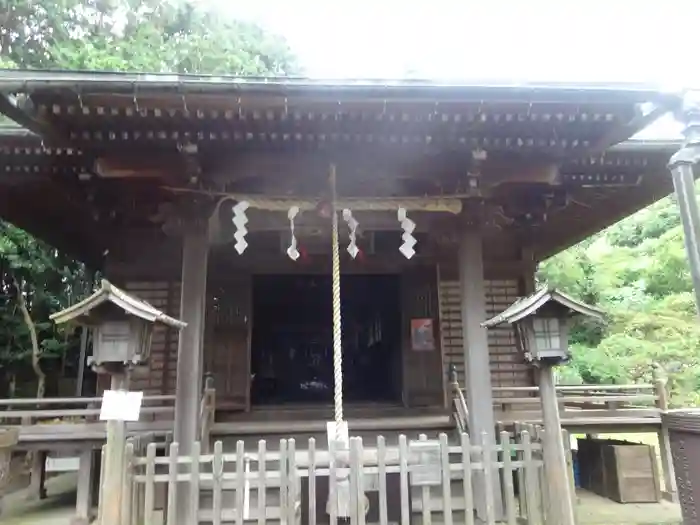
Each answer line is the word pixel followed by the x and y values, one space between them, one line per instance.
pixel 83 499
pixel 195 251
pixel 96 479
pixel 114 462
pixel 477 369
pixel 670 486
pixel 37 475
pixel 555 465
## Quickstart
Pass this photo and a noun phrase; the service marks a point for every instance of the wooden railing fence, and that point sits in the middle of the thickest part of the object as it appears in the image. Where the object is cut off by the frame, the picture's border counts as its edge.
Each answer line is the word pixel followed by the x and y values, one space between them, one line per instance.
pixel 537 433
pixel 434 479
pixel 585 401
pixel 26 411
pixel 459 402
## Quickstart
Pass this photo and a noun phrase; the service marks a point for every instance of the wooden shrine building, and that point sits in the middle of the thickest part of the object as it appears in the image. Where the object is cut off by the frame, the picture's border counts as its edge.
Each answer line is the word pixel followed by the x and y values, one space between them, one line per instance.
pixel 139 175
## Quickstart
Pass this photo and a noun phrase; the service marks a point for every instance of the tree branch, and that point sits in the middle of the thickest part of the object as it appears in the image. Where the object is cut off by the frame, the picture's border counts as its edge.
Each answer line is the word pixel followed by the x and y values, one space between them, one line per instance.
pixel 36 356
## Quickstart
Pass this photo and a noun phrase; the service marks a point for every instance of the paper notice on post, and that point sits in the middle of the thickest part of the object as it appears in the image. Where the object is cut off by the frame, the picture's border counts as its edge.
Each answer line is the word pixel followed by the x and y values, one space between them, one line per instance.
pixel 120 405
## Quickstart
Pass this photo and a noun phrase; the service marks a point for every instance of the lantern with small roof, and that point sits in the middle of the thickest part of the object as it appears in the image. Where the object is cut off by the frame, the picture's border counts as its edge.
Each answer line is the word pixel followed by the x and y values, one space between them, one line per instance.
pixel 542 321
pixel 122 326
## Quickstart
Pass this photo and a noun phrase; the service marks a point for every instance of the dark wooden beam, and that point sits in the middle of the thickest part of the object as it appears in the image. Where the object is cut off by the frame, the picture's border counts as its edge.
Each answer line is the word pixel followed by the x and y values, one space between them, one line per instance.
pixel 11 109
pixel 165 166
pixel 578 221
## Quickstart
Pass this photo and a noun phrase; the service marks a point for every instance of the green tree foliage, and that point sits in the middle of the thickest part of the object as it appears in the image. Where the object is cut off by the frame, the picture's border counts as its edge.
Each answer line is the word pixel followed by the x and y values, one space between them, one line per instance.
pixel 35 281
pixel 637 271
pixel 171 36
pixel 153 36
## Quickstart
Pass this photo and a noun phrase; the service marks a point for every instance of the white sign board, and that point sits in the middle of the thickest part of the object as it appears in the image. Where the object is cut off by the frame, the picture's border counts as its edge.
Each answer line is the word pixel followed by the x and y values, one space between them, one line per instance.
pixel 424 458
pixel 120 405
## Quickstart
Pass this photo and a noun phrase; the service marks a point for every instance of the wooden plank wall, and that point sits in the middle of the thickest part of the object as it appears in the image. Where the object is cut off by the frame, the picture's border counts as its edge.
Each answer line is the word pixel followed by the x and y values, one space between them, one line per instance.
pixel 507 366
pixel 227 340
pixel 160 375
pixel 423 380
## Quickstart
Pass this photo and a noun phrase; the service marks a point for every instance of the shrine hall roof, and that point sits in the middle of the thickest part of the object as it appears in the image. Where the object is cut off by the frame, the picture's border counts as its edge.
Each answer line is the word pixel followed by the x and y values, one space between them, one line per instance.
pixel 163 109
pixel 50 185
pixel 21 80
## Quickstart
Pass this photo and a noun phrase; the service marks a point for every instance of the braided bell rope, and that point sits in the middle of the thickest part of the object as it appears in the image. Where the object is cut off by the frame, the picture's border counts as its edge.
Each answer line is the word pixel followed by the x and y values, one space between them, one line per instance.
pixel 337 320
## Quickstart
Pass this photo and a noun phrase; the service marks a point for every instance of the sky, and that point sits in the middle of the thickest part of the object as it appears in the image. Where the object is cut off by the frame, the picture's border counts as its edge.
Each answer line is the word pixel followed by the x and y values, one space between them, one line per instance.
pixel 564 40
pixel 640 41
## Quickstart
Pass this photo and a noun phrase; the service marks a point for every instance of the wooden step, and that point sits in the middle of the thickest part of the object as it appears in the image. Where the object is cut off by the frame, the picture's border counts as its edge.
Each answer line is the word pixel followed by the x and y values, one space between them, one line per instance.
pixel 376 425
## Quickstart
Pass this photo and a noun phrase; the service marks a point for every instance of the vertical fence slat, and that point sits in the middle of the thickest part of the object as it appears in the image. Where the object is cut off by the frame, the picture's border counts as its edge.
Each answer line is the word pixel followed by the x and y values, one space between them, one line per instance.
pixel 487 465
pixel 361 482
pixel 172 482
pixel 570 470
pixel 354 485
pixel 332 483
pixel 446 479
pixel 240 482
pixel 149 489
pixel 381 468
pixel 522 502
pixel 218 475
pixel 543 493
pixel 291 482
pixel 508 489
pixel 195 458
pixel 127 484
pixel 532 494
pixel 262 488
pixel 403 474
pixel 312 481
pixel 100 495
pixel 425 495
pixel 467 480
pixel 284 491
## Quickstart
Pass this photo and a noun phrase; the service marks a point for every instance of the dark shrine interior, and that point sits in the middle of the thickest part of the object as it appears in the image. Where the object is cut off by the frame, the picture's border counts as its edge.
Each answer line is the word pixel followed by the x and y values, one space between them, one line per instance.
pixel 292 340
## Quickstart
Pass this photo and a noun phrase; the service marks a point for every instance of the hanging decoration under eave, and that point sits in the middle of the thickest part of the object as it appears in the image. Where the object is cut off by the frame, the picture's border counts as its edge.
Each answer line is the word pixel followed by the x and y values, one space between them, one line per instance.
pixel 240 219
pixel 352 224
pixel 409 241
pixel 292 251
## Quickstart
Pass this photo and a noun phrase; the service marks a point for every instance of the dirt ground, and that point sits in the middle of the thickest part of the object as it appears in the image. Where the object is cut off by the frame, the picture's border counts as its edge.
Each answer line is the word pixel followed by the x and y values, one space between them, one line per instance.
pixel 596 510
pixel 592 509
pixel 57 509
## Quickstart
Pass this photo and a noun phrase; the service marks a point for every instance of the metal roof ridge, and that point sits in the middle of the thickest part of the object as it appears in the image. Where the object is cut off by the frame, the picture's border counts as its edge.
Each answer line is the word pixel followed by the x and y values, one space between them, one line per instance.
pixel 22 78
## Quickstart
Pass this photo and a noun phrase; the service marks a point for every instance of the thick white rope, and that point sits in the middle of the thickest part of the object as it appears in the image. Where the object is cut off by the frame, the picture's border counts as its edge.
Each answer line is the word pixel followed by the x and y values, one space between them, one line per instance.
pixel 337 321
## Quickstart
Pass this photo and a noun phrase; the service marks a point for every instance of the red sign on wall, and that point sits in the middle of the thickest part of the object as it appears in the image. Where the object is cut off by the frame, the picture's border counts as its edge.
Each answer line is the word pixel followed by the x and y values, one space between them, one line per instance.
pixel 422 335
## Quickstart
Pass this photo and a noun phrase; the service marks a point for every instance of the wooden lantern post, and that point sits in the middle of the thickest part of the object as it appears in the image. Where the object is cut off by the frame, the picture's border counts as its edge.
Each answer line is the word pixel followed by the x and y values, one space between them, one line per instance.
pixel 122 326
pixel 541 322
